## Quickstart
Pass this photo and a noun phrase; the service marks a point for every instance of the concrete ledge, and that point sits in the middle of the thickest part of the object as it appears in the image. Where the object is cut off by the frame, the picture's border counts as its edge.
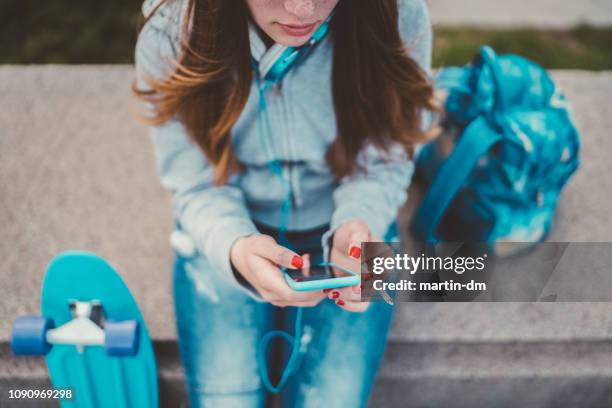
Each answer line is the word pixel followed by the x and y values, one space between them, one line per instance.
pixel 76 172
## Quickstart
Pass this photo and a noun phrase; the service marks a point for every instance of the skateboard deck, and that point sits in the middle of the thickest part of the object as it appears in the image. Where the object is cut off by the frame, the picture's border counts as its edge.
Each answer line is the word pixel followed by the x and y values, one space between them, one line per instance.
pixel 97 379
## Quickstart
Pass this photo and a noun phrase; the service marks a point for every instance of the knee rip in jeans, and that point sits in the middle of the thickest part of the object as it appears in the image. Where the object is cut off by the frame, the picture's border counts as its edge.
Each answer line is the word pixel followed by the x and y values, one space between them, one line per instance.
pixel 203 286
pixel 306 338
pixel 236 387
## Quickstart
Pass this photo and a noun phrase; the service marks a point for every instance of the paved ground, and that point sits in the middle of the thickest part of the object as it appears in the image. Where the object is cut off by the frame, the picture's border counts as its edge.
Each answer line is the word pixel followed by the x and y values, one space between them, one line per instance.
pixel 520 13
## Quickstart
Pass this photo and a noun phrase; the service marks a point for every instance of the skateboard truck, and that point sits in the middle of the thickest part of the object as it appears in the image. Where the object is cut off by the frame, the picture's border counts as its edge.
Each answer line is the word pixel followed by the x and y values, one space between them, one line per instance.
pixel 81 331
pixel 35 335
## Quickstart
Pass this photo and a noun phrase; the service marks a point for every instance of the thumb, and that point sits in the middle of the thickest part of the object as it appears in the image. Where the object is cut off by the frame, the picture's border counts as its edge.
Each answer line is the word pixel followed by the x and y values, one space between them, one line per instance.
pixel 266 247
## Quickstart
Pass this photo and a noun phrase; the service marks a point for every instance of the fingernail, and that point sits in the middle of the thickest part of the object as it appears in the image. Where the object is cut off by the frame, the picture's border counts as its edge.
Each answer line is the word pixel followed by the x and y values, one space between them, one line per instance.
pixel 340 302
pixel 335 295
pixel 326 290
pixel 297 261
pixel 355 252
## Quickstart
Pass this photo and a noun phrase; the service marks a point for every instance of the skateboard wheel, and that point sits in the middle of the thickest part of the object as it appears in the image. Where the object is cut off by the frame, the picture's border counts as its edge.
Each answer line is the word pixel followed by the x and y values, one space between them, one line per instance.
pixel 30 336
pixel 121 338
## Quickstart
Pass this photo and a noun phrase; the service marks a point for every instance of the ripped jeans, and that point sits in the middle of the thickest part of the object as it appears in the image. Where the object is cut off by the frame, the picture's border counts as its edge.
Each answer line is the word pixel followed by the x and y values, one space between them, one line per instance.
pixel 219 328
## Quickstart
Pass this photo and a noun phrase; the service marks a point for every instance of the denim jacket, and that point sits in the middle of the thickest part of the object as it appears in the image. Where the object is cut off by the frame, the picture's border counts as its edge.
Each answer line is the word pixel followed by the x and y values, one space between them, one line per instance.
pixel 302 123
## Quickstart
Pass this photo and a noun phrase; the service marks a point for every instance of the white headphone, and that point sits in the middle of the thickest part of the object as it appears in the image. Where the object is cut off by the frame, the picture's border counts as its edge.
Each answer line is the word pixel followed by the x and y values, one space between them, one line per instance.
pixel 274 63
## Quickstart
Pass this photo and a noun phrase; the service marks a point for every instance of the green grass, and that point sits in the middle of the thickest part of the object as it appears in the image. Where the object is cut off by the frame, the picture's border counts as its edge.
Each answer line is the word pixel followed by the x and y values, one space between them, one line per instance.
pixel 68 31
pixel 96 32
pixel 583 47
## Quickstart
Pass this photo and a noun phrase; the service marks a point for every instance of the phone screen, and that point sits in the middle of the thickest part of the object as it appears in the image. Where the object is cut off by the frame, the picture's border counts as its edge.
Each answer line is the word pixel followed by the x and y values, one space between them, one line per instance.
pixel 315 272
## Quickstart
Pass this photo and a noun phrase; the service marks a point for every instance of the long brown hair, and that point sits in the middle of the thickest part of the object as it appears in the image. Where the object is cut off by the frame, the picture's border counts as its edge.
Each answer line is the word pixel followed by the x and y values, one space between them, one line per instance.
pixel 379 92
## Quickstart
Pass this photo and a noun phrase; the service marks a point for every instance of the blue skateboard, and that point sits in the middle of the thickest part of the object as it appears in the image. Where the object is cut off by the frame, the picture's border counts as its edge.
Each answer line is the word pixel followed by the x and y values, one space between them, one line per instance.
pixel 92 333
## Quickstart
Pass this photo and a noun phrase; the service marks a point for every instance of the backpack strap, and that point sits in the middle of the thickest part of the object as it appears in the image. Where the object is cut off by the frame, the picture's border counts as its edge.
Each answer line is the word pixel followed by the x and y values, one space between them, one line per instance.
pixel 475 141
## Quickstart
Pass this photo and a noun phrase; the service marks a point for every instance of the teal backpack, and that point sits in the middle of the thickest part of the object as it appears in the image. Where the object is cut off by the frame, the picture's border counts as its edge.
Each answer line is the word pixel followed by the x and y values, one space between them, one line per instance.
pixel 508 148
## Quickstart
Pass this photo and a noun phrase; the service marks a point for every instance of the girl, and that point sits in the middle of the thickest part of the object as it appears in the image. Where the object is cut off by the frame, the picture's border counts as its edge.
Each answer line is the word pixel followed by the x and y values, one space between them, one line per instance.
pixel 265 163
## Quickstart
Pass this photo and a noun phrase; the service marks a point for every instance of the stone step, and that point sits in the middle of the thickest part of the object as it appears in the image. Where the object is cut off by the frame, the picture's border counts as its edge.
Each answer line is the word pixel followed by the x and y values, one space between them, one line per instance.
pixel 420 374
pixel 31 373
pixel 466 392
pixel 503 374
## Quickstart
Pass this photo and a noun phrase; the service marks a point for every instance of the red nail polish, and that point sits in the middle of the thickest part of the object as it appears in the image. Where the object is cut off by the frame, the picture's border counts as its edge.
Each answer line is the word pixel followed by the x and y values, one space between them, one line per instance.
pixel 297 262
pixel 355 252
pixel 340 302
pixel 335 295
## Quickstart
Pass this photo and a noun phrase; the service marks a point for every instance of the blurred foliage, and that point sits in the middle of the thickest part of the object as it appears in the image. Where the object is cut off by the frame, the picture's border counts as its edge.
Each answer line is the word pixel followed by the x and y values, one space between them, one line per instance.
pixel 582 47
pixel 94 31
pixel 68 31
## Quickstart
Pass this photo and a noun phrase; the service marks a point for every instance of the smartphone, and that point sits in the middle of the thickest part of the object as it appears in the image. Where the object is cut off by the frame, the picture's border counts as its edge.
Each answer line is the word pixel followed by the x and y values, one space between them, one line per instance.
pixel 320 276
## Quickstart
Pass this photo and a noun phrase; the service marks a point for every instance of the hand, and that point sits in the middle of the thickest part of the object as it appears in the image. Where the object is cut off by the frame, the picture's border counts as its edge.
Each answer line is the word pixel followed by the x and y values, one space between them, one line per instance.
pixel 258 258
pixel 346 251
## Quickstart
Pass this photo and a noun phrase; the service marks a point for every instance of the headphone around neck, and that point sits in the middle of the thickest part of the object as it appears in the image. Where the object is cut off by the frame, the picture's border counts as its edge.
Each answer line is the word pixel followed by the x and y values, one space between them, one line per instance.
pixel 279 59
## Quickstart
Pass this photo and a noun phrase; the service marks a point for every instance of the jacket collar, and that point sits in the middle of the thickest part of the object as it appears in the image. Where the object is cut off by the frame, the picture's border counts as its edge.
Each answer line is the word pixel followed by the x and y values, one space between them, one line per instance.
pixel 258 48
